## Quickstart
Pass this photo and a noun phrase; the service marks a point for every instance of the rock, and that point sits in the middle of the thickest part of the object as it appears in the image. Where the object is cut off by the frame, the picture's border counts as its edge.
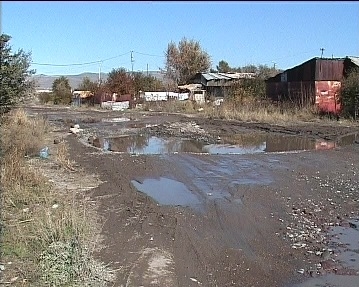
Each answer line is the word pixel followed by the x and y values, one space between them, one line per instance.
pixel 57 141
pixel 2 267
pixel 77 126
pixel 91 140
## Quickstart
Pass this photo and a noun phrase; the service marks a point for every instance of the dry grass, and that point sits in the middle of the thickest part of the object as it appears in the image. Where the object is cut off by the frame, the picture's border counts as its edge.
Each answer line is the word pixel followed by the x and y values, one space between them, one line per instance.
pixel 47 236
pixel 260 112
pixel 23 133
pixel 62 157
pixel 247 111
pixel 171 106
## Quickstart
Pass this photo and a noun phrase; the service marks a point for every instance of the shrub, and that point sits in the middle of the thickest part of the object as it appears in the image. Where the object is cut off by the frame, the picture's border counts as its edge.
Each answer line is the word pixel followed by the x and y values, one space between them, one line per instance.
pixel 350 93
pixel 45 98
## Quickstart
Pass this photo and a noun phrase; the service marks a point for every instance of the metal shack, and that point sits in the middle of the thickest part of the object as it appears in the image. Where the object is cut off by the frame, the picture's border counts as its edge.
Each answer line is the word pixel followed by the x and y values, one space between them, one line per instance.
pixel 217 84
pixel 315 82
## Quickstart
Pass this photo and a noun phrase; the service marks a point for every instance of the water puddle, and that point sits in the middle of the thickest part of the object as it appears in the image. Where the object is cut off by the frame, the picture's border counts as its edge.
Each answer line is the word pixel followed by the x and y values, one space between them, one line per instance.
pixel 240 144
pixel 115 120
pixel 344 241
pixel 167 191
pixel 348 139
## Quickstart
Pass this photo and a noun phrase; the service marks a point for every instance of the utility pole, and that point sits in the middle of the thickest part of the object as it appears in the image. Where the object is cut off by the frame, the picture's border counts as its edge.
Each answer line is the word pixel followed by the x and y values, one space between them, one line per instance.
pixel 322 49
pixel 132 60
pixel 99 72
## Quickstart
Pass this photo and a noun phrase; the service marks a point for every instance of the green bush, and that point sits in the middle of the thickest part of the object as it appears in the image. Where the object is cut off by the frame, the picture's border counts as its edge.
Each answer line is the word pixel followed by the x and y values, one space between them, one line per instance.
pixel 62 98
pixel 45 98
pixel 350 93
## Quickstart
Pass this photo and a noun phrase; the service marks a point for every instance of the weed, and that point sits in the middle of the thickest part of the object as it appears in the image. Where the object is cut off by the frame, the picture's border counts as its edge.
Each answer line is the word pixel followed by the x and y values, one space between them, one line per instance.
pixel 48 236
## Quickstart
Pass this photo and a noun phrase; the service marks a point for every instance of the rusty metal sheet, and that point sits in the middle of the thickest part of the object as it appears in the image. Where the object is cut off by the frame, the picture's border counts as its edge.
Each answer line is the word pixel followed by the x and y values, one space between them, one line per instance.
pixel 327 97
pixel 316 69
pixel 329 69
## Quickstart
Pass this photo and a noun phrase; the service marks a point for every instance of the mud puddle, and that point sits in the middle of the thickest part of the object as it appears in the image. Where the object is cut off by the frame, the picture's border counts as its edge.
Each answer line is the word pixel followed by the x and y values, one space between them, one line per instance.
pixel 207 179
pixel 240 144
pixel 167 191
pixel 344 258
pixel 115 120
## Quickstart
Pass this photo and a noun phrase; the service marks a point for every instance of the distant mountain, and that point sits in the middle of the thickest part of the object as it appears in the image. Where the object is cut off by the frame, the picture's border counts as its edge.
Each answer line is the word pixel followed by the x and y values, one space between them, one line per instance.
pixel 45 81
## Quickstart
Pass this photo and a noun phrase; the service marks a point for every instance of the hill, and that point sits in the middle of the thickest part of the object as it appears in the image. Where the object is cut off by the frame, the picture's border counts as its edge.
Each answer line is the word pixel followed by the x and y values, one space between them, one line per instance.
pixel 45 81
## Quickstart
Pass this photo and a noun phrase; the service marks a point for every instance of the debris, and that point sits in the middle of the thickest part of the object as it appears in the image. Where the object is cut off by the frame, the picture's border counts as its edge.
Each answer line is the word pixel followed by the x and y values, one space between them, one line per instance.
pixel 44 152
pixel 301 271
pixel 75 130
pixel 195 280
pixel 57 141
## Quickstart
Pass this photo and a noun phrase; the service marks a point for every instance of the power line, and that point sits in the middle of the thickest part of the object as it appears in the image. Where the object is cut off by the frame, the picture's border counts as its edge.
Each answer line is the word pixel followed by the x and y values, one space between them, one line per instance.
pixel 79 64
pixel 116 56
pixel 65 65
pixel 287 57
pixel 132 60
pixel 149 54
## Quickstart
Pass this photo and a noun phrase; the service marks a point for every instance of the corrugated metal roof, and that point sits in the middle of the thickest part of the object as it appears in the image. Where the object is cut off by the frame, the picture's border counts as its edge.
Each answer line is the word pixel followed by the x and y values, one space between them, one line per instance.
pixel 355 60
pixel 191 87
pixel 227 76
pixel 315 69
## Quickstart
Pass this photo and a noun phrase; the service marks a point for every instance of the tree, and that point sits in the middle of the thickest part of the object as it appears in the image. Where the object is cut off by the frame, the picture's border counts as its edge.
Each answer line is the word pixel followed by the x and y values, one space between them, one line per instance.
pixel 264 72
pixel 87 85
pixel 249 69
pixel 223 67
pixel 147 83
pixel 120 82
pixel 61 90
pixel 252 89
pixel 350 93
pixel 14 74
pixel 186 60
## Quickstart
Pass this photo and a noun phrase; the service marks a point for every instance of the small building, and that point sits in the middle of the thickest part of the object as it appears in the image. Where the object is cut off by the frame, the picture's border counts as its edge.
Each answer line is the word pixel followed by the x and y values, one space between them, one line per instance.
pixel 163 96
pixel 82 97
pixel 217 85
pixel 195 92
pixel 39 91
pixel 315 82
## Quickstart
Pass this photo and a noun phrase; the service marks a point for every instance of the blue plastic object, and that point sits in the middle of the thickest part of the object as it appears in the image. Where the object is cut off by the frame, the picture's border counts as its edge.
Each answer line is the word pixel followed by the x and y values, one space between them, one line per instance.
pixel 44 152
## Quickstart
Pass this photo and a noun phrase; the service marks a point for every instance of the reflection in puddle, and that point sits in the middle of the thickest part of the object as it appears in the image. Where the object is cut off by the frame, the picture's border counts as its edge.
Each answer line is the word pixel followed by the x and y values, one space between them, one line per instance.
pixel 167 191
pixel 241 144
pixel 348 139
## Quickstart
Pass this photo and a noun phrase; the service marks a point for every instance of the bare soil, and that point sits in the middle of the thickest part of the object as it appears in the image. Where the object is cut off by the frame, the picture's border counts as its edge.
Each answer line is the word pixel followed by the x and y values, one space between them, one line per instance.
pixel 264 219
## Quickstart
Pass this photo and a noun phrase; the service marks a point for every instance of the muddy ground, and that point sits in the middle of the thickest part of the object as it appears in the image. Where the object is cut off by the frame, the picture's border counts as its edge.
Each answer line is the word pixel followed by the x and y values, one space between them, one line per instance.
pixel 254 219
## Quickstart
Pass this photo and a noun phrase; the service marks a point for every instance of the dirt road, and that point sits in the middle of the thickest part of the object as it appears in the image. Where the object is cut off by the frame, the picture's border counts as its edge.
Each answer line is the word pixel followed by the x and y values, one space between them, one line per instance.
pixel 254 218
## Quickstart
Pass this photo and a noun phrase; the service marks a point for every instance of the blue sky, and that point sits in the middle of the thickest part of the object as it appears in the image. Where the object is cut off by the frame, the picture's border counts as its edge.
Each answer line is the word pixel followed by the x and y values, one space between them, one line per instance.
pixel 287 33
